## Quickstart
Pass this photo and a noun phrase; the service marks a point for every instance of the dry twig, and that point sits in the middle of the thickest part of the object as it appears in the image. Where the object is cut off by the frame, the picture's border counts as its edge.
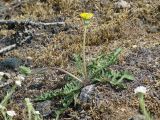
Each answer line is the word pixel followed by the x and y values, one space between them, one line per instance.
pixel 28 22
pixel 70 74
pixel 10 47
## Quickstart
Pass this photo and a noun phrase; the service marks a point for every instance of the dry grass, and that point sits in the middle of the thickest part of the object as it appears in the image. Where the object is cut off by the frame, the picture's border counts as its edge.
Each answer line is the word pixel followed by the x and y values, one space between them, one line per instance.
pixel 37 11
pixel 110 29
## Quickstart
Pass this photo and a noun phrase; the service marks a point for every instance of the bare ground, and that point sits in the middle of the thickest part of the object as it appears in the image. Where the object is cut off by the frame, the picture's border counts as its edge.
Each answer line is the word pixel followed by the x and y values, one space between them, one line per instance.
pixel 135 29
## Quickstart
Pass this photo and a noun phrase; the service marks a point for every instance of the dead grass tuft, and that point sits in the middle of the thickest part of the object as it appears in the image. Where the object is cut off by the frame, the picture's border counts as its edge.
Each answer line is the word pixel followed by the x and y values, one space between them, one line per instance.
pixel 37 11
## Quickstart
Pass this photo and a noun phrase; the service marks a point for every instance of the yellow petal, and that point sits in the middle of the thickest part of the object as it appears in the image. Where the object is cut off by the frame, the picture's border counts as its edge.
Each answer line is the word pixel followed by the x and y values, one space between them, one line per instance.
pixel 86 16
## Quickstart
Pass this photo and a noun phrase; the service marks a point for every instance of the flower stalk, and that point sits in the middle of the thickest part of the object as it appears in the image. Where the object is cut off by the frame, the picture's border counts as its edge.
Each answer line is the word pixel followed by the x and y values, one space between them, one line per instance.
pixel 3 103
pixel 31 111
pixel 7 97
pixel 3 111
pixel 142 106
pixel 29 108
pixel 84 54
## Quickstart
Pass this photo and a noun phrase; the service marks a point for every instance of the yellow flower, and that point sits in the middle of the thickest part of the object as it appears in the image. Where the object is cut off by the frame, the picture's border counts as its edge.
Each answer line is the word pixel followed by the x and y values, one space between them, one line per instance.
pixel 86 16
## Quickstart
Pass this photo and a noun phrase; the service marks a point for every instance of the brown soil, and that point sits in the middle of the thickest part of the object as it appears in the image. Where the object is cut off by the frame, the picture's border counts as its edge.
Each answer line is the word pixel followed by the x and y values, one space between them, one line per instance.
pixel 135 29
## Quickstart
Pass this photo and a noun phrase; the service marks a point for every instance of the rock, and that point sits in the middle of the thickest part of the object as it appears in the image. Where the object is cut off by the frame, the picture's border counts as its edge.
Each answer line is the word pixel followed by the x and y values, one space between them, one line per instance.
pixel 86 93
pixel 4 75
pixel 36 86
pixel 10 63
pixel 122 4
pixel 44 108
pixel 134 46
pixel 29 61
pixel 7 75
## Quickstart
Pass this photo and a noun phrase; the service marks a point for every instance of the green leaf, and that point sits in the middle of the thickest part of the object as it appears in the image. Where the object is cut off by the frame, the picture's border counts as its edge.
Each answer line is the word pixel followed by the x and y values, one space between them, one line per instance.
pixel 69 89
pixel 98 66
pixel 24 70
pixel 128 76
pixel 78 63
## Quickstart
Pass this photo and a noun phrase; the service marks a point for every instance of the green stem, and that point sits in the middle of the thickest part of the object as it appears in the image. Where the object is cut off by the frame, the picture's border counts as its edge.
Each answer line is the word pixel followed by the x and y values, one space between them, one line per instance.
pixel 5 100
pixel 36 117
pixel 7 97
pixel 57 117
pixel 10 118
pixel 84 55
pixel 142 106
pixel 29 108
pixel 4 114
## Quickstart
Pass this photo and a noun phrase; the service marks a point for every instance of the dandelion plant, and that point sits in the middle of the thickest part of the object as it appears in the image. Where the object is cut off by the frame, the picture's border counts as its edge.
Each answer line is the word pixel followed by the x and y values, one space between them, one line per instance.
pixel 95 71
pixel 86 19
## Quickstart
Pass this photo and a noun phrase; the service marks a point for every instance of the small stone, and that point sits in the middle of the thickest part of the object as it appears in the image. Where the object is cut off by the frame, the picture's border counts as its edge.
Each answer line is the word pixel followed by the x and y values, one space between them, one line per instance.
pixel 7 75
pixel 134 46
pixel 122 4
pixel 29 61
pixel 44 108
pixel 10 63
pixel 36 86
pixel 156 63
pixel 4 75
pixel 86 93
pixel 29 58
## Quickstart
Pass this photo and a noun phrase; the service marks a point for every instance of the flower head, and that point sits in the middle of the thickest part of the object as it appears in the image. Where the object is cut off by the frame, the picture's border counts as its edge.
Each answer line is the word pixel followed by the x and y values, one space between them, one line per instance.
pixel 20 77
pixel 18 83
pixel 11 113
pixel 37 112
pixel 140 89
pixel 86 16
